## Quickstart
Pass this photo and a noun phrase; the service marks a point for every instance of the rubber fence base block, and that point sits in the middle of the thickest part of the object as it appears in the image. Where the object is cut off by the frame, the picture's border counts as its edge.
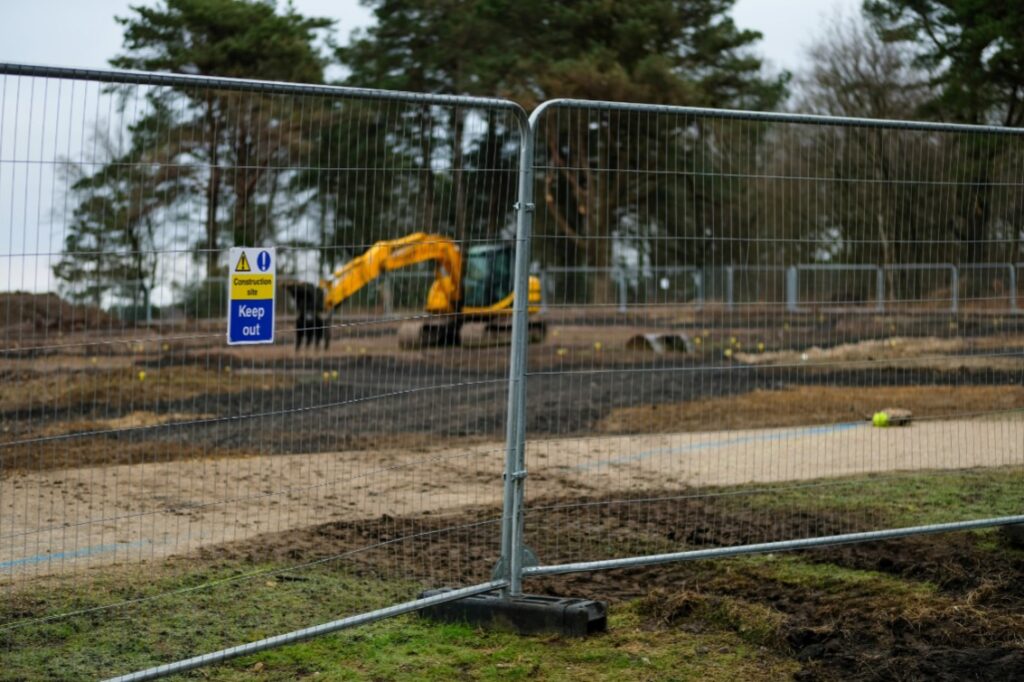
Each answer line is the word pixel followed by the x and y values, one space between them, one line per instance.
pixel 526 614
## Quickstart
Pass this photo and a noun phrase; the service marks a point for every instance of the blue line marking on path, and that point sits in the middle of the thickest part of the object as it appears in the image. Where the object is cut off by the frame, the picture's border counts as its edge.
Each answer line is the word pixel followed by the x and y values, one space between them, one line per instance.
pixel 739 440
pixel 74 554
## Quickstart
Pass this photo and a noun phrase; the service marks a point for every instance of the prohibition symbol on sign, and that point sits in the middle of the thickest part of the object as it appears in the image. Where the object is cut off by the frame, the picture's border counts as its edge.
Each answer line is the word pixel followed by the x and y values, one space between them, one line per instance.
pixel 243 263
pixel 262 261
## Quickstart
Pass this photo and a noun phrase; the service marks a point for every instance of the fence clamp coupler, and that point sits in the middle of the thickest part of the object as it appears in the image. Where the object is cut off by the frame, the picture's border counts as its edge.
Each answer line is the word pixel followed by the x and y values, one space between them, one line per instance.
pixel 515 475
pixel 528 207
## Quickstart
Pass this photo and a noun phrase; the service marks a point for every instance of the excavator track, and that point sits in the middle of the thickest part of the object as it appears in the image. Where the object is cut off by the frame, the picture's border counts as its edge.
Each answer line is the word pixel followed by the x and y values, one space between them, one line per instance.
pixel 491 334
pixel 417 334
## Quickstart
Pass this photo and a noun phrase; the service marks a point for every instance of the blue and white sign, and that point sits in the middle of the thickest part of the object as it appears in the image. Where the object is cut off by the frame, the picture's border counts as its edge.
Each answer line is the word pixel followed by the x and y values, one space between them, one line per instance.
pixel 251 289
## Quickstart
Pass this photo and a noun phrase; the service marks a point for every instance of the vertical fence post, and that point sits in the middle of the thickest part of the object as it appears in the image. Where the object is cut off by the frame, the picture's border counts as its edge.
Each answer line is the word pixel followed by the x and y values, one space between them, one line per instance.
pixel 730 290
pixel 792 282
pixel 1013 287
pixel 880 289
pixel 511 566
pixel 623 293
pixel 954 304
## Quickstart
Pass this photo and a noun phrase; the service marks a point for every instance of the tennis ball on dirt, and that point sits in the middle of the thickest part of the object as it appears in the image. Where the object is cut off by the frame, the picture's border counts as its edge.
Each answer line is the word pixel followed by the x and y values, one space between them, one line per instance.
pixel 760 346
pixel 142 375
pixel 327 376
pixel 785 326
pixel 881 419
pixel 561 351
pixel 732 340
pixel 166 347
pixel 698 341
pixel 727 353
pixel 804 357
pixel 228 369
pixel 94 360
pixel 334 374
pixel 597 345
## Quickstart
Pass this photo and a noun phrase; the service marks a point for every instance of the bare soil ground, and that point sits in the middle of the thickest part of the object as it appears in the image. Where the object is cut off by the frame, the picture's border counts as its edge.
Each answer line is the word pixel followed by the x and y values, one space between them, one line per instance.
pixel 130 446
pixel 26 316
pixel 155 509
pixel 806 405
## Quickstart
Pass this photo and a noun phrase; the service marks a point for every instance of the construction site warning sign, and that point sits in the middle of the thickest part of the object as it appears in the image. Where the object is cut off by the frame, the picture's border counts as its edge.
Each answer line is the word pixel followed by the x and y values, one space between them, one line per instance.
pixel 251 295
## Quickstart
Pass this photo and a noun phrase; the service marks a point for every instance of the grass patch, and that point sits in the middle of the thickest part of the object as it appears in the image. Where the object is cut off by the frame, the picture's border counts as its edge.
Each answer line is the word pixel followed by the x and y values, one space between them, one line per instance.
pixel 901 499
pixel 107 642
pixel 757 617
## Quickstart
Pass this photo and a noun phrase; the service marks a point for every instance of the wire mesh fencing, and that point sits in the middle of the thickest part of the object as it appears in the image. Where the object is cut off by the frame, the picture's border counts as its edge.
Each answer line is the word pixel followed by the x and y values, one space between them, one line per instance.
pixel 688 357
pixel 846 268
pixel 343 467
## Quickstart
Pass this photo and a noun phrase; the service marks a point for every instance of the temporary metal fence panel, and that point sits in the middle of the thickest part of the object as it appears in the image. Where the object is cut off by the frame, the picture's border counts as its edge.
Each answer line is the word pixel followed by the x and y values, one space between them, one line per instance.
pixel 674 432
pixel 346 477
pixel 701 389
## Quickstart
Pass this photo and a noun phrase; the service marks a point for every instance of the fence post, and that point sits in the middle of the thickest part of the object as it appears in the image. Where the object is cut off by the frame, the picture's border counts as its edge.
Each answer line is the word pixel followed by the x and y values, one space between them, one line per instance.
pixel 729 286
pixel 792 282
pixel 511 563
pixel 880 288
pixel 623 293
pixel 1013 287
pixel 954 304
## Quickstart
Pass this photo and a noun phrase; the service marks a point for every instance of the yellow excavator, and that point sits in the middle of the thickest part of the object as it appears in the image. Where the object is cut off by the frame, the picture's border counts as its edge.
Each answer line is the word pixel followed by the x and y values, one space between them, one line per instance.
pixel 469 302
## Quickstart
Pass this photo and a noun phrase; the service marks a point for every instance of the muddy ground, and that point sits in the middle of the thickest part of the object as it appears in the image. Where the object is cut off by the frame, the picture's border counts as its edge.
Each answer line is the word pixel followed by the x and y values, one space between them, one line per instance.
pixel 131 445
pixel 283 404
pixel 946 607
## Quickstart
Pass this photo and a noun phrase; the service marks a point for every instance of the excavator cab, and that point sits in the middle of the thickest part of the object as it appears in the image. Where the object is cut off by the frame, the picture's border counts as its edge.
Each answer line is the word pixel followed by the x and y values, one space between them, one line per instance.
pixel 488 277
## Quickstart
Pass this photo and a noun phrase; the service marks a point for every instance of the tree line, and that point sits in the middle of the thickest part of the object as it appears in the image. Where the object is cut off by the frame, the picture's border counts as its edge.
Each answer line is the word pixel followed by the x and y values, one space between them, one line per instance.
pixel 203 169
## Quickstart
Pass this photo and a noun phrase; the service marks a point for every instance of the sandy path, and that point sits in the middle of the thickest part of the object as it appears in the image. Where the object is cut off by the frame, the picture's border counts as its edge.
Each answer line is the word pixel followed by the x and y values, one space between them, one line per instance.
pixel 62 521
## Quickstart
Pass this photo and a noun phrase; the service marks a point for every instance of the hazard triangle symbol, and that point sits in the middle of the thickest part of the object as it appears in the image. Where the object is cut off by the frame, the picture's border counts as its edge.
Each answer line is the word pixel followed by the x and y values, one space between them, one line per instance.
pixel 243 264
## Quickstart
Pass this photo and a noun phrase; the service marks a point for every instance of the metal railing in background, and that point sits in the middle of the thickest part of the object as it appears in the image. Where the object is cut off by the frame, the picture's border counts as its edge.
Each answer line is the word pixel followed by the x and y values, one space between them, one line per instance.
pixel 789 286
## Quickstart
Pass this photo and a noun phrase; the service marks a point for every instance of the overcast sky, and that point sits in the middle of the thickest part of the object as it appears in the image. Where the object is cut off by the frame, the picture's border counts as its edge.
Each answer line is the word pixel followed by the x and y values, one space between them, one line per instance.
pixel 83 32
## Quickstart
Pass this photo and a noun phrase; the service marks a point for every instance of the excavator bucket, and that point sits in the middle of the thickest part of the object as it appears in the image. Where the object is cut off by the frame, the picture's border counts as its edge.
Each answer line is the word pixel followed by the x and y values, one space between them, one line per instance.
pixel 311 325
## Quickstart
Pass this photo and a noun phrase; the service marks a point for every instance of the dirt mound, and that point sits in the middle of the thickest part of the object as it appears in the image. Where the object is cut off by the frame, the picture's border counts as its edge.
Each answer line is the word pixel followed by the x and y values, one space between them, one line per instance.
pixel 22 313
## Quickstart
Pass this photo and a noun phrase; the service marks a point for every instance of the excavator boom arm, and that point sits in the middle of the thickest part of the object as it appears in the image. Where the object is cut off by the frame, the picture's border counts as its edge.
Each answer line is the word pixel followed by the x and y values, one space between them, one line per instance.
pixel 395 254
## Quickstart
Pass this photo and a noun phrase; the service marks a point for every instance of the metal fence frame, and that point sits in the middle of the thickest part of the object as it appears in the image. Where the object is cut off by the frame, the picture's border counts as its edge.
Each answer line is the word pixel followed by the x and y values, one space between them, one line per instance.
pixel 512 568
pixel 508 574
pixel 536 118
